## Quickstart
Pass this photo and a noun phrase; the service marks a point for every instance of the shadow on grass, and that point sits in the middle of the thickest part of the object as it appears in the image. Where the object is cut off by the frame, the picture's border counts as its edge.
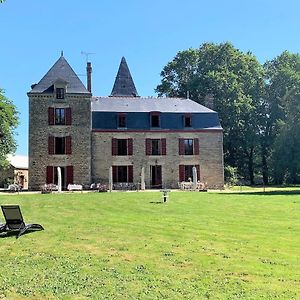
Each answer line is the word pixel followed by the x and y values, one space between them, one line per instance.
pixel 8 234
pixel 156 202
pixel 266 193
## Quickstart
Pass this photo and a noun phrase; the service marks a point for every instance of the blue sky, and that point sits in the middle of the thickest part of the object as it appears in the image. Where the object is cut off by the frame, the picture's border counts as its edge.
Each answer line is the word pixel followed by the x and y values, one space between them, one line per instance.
pixel 147 33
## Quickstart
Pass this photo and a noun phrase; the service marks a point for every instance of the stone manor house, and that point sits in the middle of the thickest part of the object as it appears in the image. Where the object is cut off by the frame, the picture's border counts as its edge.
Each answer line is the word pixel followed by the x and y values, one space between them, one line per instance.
pixel 86 135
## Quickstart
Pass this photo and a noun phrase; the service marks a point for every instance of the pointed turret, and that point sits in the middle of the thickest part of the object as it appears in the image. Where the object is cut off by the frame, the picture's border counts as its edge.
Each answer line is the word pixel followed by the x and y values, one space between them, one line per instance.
pixel 124 85
pixel 62 71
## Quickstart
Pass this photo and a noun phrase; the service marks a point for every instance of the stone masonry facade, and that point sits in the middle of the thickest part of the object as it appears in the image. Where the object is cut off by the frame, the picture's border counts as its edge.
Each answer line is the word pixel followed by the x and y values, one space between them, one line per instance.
pixel 210 158
pixel 40 130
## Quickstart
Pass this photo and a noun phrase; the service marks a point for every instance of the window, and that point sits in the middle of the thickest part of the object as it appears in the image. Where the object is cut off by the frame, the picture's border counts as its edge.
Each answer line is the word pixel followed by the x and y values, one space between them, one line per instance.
pixel 122 147
pixel 156 147
pixel 60 116
pixel 186 172
pixel 66 175
pixel 59 145
pixel 60 93
pixel 189 146
pixel 187 121
pixel 122 174
pixel 155 119
pixel 121 120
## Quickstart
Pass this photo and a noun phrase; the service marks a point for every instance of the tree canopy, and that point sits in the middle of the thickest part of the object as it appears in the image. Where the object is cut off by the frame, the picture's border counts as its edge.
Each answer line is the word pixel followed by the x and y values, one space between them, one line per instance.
pixel 8 124
pixel 253 101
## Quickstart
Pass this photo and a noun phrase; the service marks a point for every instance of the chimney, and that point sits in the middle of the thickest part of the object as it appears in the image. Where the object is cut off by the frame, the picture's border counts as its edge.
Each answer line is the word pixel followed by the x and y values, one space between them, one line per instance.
pixel 209 101
pixel 89 76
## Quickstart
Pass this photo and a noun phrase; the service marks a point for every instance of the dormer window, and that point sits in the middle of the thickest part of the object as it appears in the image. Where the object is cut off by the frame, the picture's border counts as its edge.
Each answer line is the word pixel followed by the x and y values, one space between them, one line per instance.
pixel 122 120
pixel 187 119
pixel 155 119
pixel 60 93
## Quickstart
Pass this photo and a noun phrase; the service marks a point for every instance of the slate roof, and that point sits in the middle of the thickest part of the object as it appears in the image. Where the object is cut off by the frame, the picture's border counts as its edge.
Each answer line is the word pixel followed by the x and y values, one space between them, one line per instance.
pixel 133 104
pixel 124 85
pixel 60 71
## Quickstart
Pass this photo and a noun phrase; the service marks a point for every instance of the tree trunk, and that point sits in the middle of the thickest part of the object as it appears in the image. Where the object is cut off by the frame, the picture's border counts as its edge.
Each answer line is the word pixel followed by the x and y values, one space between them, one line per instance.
pixel 265 170
pixel 251 166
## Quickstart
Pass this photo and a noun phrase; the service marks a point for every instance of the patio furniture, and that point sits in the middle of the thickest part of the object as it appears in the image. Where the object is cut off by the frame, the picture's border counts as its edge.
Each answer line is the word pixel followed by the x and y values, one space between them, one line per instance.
pixel 15 223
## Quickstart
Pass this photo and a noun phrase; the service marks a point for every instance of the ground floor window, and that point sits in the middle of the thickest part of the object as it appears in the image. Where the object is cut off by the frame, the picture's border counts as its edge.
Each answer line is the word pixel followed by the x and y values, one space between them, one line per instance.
pixel 66 175
pixel 122 174
pixel 186 172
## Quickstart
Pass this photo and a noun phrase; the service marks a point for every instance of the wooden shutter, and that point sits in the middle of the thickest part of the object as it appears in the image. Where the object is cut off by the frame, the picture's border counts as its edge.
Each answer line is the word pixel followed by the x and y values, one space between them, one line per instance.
pixel 114 146
pixel 70 175
pixel 163 147
pixel 68 112
pixel 130 173
pixel 51 145
pixel 68 145
pixel 148 147
pixel 181 173
pixel 49 174
pixel 51 115
pixel 198 171
pixel 181 147
pixel 115 174
pixel 129 147
pixel 196 146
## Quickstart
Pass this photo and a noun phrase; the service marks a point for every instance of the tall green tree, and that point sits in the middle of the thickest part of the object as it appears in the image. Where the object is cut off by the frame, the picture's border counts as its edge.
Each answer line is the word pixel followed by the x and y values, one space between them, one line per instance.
pixel 282 75
pixel 8 124
pixel 236 80
pixel 286 150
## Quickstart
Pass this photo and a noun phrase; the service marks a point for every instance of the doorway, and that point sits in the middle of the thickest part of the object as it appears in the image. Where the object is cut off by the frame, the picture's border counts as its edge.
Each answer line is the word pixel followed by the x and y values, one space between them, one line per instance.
pixel 156 177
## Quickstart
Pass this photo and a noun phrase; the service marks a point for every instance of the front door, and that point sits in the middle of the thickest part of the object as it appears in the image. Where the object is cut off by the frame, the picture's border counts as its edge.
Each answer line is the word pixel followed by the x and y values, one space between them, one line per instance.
pixel 156 178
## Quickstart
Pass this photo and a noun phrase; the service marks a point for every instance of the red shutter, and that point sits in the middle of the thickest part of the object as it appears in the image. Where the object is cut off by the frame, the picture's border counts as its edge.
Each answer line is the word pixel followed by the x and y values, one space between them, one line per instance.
pixel 130 146
pixel 114 146
pixel 196 146
pixel 51 145
pixel 181 173
pixel 198 171
pixel 49 175
pixel 130 173
pixel 70 175
pixel 148 147
pixel 115 174
pixel 68 111
pixel 50 115
pixel 181 147
pixel 163 147
pixel 68 145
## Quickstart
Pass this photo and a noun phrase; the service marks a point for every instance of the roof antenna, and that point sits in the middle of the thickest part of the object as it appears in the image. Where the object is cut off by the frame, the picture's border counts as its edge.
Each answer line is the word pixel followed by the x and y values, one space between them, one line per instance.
pixel 62 53
pixel 87 54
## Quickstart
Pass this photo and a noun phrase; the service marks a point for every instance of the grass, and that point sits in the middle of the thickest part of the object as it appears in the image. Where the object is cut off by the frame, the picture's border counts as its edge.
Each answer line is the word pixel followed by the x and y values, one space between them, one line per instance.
pixel 130 246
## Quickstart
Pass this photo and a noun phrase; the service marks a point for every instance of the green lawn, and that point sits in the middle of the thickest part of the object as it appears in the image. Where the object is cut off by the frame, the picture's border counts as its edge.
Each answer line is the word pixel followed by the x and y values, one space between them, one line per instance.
pixel 227 245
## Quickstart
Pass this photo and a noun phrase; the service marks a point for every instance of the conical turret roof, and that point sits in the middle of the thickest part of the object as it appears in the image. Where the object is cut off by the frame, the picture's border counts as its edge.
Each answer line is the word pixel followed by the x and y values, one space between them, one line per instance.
pixel 124 85
pixel 60 71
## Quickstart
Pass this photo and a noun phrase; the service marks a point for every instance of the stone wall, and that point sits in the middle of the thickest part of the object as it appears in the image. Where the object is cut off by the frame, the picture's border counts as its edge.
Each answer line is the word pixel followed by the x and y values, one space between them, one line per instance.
pixel 210 156
pixel 39 131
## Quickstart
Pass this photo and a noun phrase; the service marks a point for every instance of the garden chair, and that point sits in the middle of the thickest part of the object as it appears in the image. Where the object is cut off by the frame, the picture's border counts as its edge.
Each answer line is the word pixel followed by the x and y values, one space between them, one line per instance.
pixel 14 221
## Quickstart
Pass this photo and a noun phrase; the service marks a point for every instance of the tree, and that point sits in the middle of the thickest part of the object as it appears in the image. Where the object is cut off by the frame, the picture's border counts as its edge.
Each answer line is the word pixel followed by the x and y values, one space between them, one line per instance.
pixel 236 80
pixel 282 78
pixel 8 123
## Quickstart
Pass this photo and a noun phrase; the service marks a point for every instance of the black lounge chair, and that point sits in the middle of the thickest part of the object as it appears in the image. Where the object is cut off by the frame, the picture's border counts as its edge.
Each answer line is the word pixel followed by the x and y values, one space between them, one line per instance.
pixel 14 221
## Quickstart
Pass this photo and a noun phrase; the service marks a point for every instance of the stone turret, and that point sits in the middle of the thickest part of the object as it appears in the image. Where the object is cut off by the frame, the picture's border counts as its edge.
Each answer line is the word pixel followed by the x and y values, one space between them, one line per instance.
pixel 59 128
